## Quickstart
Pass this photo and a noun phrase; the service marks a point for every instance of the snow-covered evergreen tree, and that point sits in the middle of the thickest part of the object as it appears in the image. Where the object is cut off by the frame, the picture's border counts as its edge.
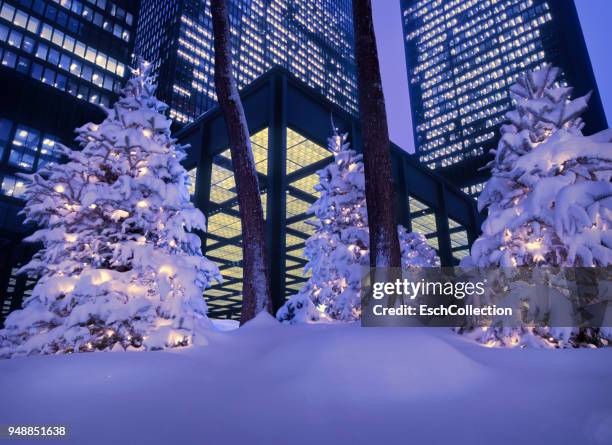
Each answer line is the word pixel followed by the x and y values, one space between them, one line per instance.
pixel 119 267
pixel 546 198
pixel 549 199
pixel 338 251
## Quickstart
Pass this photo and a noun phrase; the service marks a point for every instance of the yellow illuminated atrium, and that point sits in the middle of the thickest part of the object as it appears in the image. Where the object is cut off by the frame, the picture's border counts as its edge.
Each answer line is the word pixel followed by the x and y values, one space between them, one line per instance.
pixel 223 238
pixel 302 153
pixel 303 159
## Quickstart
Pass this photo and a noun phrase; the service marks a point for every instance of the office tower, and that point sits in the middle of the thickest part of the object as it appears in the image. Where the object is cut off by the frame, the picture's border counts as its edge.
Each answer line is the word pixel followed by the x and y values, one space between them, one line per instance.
pixel 59 60
pixel 58 57
pixel 463 55
pixel 313 39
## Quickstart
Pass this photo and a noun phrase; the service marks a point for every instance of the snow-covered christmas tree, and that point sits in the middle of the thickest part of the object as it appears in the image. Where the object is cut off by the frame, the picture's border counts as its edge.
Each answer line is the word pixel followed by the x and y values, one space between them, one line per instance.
pixel 542 164
pixel 549 199
pixel 119 267
pixel 338 251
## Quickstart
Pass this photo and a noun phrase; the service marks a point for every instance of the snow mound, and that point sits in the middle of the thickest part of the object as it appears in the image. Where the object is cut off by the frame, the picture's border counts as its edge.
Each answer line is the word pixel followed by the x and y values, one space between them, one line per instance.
pixel 261 320
pixel 324 384
pixel 225 325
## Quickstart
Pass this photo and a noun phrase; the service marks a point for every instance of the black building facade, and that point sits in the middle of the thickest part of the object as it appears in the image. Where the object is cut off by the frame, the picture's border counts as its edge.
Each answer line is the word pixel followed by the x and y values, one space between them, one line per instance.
pixel 60 60
pixel 463 55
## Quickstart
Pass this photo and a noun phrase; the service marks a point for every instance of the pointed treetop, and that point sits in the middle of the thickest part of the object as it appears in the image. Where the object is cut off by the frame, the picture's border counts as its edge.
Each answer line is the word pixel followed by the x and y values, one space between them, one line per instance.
pixel 142 81
pixel 337 142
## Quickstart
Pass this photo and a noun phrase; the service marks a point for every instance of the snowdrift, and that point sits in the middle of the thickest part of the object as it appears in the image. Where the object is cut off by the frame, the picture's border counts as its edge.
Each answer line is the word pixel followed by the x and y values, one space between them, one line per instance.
pixel 268 383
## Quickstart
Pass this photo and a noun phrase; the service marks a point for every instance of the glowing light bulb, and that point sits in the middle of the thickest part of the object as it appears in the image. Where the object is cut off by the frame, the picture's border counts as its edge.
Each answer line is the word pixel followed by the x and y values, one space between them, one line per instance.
pixel 534 245
pixel 143 204
pixel 166 269
pixel 93 206
pixel 71 237
pixel 59 188
pixel 101 277
pixel 147 132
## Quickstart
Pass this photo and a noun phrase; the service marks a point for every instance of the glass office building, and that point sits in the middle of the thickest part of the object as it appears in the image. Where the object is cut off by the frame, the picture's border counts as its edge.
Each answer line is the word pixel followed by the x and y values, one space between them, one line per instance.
pixel 59 61
pixel 313 39
pixel 289 125
pixel 55 55
pixel 463 55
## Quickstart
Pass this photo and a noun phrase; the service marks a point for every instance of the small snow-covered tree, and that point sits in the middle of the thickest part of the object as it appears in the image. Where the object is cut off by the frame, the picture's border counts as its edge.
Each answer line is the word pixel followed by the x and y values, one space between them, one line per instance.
pixel 338 251
pixel 119 267
pixel 549 199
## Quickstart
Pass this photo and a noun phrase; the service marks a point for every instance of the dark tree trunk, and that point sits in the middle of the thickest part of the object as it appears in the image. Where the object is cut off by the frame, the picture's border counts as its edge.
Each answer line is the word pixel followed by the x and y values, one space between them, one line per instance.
pixel 380 196
pixel 255 283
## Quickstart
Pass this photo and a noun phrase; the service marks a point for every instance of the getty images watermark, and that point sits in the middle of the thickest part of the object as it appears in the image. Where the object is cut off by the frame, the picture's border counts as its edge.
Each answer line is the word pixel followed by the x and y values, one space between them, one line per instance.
pixel 456 297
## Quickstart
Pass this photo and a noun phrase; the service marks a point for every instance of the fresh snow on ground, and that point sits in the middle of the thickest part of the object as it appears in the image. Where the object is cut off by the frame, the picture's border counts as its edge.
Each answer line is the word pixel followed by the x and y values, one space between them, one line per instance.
pixel 268 383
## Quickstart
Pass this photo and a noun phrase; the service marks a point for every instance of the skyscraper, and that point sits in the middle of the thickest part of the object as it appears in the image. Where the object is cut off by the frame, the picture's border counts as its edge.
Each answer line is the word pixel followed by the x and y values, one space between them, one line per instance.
pixel 313 39
pixel 463 55
pixel 60 59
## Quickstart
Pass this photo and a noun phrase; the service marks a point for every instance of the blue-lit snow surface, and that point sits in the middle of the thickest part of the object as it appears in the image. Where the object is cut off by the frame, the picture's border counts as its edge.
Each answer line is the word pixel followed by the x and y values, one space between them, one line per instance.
pixel 270 384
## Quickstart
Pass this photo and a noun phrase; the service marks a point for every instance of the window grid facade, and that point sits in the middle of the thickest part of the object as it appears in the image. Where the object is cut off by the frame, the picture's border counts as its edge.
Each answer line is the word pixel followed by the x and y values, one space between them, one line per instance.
pixel 78 48
pixel 46 41
pixel 462 57
pixel 313 39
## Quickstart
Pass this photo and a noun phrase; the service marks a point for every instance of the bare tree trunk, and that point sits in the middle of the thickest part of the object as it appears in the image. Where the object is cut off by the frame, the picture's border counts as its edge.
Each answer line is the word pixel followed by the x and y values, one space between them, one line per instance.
pixel 255 285
pixel 380 194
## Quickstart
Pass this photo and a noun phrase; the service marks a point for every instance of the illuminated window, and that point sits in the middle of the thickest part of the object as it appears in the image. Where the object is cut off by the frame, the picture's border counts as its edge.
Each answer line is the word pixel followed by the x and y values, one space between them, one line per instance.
pixel 25 146
pixel 423 220
pixel 458 239
pixel 49 152
pixel 192 181
pixel 12 186
pixel 302 152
